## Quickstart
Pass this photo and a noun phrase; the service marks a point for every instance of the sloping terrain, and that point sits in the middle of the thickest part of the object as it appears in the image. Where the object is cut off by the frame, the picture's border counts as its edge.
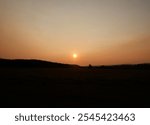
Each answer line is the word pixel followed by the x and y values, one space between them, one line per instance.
pixel 74 86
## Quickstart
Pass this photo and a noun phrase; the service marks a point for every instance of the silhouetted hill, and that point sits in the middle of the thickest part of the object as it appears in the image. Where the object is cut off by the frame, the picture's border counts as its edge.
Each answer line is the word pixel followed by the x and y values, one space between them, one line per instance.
pixel 31 83
pixel 32 63
pixel 126 66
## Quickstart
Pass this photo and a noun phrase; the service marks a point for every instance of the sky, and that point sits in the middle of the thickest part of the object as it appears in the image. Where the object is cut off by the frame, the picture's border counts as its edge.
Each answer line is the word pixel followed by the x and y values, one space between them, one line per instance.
pixel 99 32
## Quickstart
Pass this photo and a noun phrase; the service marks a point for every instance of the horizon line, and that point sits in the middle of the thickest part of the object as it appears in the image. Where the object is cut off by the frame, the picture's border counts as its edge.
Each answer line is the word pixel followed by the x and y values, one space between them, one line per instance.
pixel 120 64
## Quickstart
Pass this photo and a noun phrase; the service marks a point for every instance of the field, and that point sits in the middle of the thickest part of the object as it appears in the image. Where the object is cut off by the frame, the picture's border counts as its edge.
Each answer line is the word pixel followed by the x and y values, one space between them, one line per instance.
pixel 74 87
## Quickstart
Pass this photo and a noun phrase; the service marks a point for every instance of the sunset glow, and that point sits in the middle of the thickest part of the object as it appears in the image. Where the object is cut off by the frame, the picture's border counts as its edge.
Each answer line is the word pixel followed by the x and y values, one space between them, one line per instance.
pixel 75 55
pixel 101 31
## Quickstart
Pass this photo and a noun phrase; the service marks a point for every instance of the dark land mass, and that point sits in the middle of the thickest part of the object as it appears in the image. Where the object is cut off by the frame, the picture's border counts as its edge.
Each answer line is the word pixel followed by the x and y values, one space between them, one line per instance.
pixel 35 83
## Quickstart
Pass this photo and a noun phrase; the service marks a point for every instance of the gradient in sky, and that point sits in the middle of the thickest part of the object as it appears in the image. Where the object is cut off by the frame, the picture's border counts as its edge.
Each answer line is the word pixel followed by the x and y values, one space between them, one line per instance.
pixel 101 32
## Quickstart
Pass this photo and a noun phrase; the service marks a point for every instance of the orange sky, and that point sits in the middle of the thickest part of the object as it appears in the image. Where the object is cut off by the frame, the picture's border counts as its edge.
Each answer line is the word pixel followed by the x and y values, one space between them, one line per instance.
pixel 101 32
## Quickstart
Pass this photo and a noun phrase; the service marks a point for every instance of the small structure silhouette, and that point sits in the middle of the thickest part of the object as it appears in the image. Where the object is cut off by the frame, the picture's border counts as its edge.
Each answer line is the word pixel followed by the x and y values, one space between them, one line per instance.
pixel 90 66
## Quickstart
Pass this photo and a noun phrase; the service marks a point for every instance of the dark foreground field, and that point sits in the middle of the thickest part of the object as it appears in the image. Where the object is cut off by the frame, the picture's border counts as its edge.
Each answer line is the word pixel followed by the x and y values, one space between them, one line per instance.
pixel 74 87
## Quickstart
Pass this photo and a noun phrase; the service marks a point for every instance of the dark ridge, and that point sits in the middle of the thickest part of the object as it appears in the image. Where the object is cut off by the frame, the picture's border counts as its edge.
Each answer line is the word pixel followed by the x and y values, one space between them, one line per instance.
pixel 26 84
pixel 123 66
pixel 32 63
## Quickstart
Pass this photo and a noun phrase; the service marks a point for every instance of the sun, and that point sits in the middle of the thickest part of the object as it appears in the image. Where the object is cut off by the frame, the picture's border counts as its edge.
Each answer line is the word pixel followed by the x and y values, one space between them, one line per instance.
pixel 74 55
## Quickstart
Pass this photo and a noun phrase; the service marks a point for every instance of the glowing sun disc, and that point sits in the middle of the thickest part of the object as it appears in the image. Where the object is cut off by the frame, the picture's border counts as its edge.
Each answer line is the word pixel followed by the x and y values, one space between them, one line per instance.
pixel 75 55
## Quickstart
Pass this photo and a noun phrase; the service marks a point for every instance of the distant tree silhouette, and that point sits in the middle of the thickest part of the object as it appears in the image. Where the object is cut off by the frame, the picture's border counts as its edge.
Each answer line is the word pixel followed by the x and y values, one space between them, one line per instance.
pixel 90 66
